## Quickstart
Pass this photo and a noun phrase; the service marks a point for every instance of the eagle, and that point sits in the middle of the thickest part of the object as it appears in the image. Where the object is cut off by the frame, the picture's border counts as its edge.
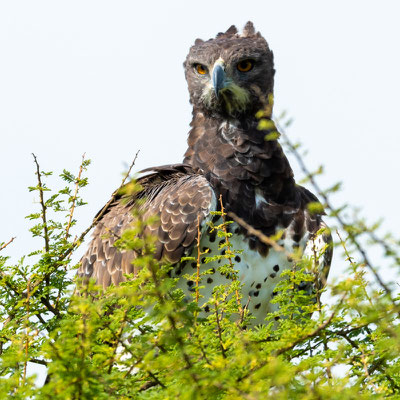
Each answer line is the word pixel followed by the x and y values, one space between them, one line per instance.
pixel 228 162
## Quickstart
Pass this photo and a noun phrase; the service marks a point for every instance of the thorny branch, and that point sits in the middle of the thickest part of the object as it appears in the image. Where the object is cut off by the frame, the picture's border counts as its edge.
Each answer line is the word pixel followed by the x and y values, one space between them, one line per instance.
pixel 219 331
pixel 338 217
pixel 78 241
pixel 42 203
pixel 72 209
pixel 310 335
pixel 264 238
pixel 228 244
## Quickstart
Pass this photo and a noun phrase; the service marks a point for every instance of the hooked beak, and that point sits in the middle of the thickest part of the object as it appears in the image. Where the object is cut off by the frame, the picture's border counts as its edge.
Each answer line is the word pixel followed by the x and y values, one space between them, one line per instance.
pixel 218 78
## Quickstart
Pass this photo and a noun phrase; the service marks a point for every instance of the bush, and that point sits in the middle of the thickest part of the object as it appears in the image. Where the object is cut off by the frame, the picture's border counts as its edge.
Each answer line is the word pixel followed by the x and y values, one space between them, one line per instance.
pixel 142 340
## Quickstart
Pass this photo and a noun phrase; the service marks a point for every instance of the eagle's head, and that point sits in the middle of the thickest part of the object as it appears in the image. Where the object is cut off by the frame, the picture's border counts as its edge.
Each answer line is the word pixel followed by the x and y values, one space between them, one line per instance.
pixel 230 74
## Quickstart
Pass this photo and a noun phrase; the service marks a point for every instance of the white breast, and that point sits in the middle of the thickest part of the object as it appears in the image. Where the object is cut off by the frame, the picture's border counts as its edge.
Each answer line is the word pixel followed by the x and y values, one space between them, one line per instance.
pixel 258 275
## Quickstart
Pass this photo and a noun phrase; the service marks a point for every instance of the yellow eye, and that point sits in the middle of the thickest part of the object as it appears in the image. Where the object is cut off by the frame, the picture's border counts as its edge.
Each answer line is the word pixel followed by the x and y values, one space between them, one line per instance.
pixel 201 69
pixel 245 65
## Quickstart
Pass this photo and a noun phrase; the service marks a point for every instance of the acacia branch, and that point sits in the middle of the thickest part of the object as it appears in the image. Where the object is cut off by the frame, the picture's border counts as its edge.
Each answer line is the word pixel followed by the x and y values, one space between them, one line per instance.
pixel 313 333
pixel 328 205
pixel 72 209
pixel 228 245
pixel 42 203
pixel 264 238
pixel 78 241
pixel 310 335
pixel 219 331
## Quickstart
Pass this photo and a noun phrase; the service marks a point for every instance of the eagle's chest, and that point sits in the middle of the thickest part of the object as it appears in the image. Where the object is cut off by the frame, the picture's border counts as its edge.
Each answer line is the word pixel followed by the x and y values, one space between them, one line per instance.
pixel 258 274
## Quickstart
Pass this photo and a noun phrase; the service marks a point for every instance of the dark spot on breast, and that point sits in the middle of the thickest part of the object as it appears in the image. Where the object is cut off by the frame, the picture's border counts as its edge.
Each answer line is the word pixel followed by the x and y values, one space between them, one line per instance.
pixel 247 266
pixel 297 237
pixel 194 265
pixel 290 259
pixel 190 283
pixel 238 259
pixel 219 261
pixel 265 279
pixel 215 218
pixel 276 268
pixel 277 318
pixel 212 237
pixel 274 294
pixel 202 259
pixel 257 306
pixel 178 271
pixel 236 231
pixel 252 284
pixel 221 242
pixel 251 293
pixel 206 249
pixel 263 249
pixel 256 293
pixel 207 308
pixel 213 270
pixel 273 275
pixel 223 252
pixel 209 280
pixel 258 286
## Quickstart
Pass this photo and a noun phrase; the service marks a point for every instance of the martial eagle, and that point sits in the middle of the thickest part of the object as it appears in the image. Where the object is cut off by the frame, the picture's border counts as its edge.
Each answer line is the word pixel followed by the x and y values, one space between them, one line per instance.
pixel 229 77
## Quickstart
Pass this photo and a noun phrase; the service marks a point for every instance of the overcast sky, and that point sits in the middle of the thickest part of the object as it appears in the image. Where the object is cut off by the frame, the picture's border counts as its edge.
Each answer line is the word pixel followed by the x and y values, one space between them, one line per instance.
pixel 106 79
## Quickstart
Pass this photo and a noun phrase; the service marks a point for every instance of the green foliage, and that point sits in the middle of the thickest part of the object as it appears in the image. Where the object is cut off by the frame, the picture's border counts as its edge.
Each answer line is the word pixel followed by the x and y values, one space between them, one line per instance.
pixel 143 340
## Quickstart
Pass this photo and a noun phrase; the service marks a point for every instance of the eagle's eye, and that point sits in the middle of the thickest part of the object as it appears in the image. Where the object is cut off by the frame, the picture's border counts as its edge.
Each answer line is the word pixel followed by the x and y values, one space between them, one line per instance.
pixel 201 69
pixel 245 65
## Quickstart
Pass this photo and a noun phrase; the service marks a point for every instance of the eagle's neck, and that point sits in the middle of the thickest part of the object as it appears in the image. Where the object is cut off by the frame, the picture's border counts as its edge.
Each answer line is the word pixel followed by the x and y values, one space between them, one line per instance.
pixel 240 164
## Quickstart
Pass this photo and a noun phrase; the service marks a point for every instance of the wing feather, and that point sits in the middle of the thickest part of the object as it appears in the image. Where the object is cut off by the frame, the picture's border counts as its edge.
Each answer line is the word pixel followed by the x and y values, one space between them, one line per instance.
pixel 180 198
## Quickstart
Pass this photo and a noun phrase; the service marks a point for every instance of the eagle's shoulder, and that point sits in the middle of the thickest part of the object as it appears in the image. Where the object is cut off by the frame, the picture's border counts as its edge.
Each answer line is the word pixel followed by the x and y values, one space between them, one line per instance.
pixel 182 200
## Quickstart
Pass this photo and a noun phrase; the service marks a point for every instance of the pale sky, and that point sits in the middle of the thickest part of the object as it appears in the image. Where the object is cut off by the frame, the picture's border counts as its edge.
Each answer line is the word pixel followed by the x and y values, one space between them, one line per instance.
pixel 105 78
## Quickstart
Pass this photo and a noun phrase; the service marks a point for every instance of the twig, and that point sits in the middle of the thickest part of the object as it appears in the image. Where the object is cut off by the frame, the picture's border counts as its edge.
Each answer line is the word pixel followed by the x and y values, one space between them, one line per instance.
pixel 28 293
pixel 42 203
pixel 313 333
pixel 198 258
pixel 310 335
pixel 219 331
pixel 328 205
pixel 100 214
pixel 151 384
pixel 72 209
pixel 264 238
pixel 118 340
pixel 228 245
pixel 4 245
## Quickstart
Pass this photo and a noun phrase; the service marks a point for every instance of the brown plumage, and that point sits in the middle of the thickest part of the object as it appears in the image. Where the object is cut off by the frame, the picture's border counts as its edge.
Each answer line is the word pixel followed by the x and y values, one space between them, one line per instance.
pixel 229 78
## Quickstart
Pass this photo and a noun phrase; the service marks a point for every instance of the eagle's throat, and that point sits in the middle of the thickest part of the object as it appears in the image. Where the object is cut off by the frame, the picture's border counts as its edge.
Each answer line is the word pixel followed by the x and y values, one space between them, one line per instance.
pixel 240 164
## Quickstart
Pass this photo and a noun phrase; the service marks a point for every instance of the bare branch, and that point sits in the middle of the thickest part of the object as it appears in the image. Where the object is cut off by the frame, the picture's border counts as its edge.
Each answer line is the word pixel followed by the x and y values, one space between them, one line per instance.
pixel 4 245
pixel 264 238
